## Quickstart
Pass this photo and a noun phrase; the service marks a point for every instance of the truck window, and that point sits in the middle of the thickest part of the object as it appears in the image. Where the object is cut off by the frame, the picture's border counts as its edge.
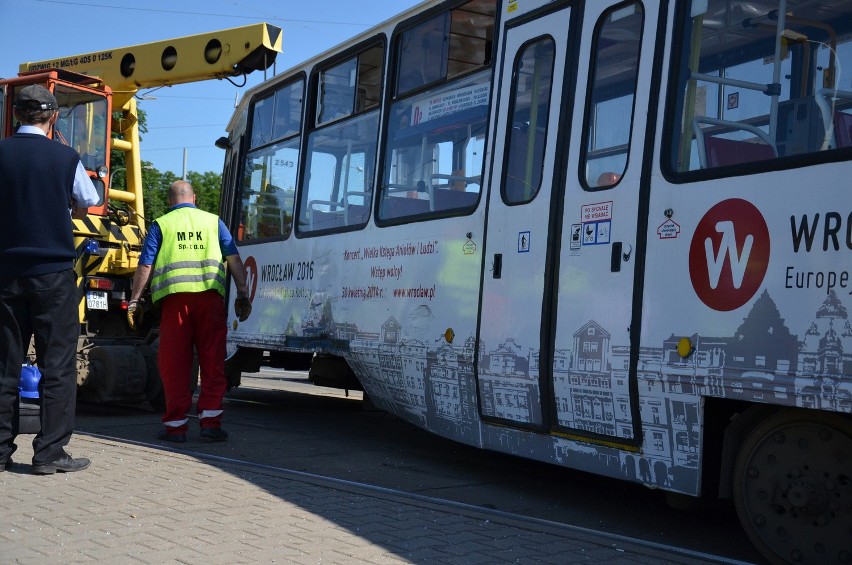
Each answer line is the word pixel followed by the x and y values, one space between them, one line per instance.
pixel 82 125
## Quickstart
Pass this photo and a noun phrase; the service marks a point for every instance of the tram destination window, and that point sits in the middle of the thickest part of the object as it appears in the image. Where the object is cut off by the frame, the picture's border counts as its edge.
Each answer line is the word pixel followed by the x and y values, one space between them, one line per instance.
pixel 759 86
pixel 271 168
pixel 615 67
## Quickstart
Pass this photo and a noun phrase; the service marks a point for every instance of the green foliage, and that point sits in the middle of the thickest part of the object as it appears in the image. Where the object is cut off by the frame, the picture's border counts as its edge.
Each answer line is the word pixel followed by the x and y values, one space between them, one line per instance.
pixel 207 187
pixel 156 185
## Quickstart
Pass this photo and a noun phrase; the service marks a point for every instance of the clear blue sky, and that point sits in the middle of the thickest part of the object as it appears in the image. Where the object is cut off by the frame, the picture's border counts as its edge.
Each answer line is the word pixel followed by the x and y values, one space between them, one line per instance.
pixel 190 116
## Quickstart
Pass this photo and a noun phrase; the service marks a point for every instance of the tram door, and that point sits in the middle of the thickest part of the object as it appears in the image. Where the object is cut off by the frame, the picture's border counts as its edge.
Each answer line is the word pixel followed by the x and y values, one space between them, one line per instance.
pixel 596 340
pixel 525 139
pixel 558 289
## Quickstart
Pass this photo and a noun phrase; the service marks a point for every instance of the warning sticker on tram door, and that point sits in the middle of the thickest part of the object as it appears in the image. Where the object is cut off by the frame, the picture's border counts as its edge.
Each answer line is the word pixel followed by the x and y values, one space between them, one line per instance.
pixel 596 233
pixel 576 230
pixel 597 222
pixel 596 212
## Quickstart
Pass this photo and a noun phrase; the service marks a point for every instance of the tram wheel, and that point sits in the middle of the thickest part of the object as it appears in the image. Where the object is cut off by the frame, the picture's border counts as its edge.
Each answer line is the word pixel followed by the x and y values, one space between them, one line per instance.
pixel 793 487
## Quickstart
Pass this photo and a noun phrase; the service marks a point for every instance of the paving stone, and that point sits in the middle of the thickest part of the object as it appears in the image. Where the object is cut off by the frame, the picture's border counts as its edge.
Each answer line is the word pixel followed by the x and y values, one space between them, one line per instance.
pixel 139 504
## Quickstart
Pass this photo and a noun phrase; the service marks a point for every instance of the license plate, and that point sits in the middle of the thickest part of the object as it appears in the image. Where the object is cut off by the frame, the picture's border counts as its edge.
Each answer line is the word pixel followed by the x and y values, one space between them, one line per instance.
pixel 96 300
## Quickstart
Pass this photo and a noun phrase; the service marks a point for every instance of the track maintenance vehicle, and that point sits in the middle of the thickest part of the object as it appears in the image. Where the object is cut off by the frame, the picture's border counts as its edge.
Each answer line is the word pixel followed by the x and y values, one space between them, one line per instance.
pixel 98 116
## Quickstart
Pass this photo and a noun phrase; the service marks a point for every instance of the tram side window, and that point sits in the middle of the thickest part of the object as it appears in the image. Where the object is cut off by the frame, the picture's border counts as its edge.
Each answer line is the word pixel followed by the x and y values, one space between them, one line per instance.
pixel 761 86
pixel 528 127
pixel 351 86
pixel 609 120
pixel 261 124
pixel 337 187
pixel 268 191
pixel 433 160
pixel 269 181
pixel 433 154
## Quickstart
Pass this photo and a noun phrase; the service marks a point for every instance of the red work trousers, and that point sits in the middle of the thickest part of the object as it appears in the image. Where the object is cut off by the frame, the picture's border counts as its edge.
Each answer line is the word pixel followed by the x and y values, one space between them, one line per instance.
pixel 192 319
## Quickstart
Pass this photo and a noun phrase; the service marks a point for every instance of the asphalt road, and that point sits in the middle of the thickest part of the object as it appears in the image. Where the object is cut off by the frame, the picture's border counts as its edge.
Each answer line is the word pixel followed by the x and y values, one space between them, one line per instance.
pixel 277 418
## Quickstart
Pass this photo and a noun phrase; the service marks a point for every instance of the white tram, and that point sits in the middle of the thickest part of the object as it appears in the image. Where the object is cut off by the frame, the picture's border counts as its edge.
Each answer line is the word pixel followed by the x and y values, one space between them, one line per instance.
pixel 607 235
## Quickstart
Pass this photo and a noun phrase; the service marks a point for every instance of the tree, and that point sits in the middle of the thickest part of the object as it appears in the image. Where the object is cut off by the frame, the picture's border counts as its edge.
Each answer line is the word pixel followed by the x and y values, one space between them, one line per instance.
pixel 207 188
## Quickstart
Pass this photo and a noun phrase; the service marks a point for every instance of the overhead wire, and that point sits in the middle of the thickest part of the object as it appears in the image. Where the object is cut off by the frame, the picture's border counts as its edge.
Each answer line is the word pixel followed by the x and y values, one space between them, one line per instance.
pixel 183 12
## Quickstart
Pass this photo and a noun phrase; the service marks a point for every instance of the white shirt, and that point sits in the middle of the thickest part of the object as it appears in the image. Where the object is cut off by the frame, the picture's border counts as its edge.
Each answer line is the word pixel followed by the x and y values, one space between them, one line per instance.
pixel 83 191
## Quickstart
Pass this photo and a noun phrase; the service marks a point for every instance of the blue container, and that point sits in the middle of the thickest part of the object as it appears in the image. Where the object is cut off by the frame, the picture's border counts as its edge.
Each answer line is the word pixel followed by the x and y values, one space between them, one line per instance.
pixel 29 403
pixel 28 386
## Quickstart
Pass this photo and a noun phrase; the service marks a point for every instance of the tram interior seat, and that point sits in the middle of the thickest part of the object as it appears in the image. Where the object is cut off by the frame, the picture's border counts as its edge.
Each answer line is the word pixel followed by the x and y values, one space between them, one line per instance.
pixel 321 220
pixel 417 201
pixel 723 152
pixel 451 199
pixel 266 217
pixel 407 200
pixel 451 191
pixel 335 218
pixel 397 206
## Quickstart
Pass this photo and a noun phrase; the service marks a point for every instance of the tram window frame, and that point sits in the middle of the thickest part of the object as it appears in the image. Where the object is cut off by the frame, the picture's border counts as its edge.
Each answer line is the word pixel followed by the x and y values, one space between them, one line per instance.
pixel 360 94
pixel 2 112
pixel 606 180
pixel 538 142
pixel 451 65
pixel 228 209
pixel 474 75
pixel 363 108
pixel 335 208
pixel 730 57
pixel 272 204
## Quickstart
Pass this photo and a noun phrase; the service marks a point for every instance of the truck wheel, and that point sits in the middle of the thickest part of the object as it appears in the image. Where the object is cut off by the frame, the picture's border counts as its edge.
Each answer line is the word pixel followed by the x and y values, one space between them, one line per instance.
pixel 793 487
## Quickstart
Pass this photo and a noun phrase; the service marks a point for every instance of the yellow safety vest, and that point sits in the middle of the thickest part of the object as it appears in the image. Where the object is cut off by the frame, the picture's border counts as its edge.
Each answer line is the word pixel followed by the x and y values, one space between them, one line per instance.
pixel 189 258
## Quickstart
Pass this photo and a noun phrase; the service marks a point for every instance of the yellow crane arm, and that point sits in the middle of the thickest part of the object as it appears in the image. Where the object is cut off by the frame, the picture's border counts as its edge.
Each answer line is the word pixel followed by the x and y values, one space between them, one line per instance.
pixel 218 54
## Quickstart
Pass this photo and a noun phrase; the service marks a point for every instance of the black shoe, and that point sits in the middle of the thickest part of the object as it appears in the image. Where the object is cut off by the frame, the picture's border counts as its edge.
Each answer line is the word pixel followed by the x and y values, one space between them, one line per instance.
pixel 172 438
pixel 6 465
pixel 214 434
pixel 65 464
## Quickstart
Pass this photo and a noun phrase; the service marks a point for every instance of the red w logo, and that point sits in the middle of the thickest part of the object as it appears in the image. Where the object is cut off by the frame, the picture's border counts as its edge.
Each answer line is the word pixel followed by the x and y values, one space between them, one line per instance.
pixel 729 254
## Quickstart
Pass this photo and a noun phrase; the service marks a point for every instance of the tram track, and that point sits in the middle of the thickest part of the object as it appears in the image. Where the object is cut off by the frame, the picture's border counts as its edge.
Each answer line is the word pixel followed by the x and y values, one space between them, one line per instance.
pixel 514 519
pixel 282 425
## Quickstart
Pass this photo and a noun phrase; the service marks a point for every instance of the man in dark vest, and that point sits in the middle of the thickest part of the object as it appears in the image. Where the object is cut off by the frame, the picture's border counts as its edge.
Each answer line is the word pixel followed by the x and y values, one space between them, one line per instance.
pixel 42 185
pixel 182 257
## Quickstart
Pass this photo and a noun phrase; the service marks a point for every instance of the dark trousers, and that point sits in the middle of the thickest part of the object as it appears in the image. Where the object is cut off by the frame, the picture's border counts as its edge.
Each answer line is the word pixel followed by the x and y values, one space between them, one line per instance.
pixel 45 307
